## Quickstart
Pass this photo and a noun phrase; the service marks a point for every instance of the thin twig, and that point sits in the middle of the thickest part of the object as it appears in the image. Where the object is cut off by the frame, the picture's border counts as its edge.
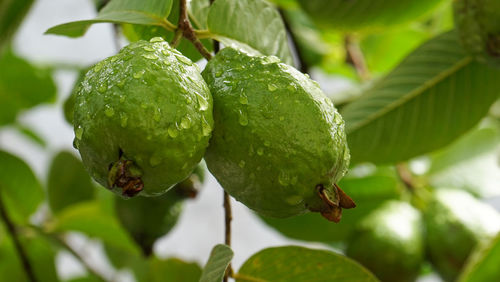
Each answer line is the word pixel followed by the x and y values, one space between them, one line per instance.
pixel 228 216
pixel 303 66
pixel 57 238
pixel 355 57
pixel 17 243
pixel 185 26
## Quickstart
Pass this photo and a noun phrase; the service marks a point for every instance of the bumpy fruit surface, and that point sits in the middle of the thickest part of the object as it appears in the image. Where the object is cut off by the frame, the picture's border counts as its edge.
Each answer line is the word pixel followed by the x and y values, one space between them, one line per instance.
pixel 143 119
pixel 455 223
pixel 149 218
pixel 478 23
pixel 278 144
pixel 389 242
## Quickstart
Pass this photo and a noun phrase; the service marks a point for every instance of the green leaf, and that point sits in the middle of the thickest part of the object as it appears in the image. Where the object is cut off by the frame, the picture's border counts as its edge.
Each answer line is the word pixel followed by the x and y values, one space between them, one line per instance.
pixel 482 265
pixel 435 95
pixel 40 253
pixel 173 270
pixel 293 263
pixel 470 163
pixel 22 86
pixel 68 182
pixel 217 263
pixel 31 134
pixel 354 15
pixel 198 12
pixel 20 190
pixel 152 12
pixel 368 193
pixel 250 25
pixel 12 13
pixel 92 220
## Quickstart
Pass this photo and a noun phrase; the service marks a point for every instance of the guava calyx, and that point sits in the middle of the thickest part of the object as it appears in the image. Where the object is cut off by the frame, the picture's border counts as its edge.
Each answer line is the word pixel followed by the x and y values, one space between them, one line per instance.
pixel 125 175
pixel 334 202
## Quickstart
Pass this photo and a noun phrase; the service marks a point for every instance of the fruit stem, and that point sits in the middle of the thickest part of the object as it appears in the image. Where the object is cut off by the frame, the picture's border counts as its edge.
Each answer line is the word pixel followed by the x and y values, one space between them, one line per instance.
pixel 185 29
pixel 28 269
pixel 355 57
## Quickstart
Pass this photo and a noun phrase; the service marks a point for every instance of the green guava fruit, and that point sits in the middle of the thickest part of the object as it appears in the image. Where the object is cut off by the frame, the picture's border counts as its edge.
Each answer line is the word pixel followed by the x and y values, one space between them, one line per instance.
pixel 455 223
pixel 143 119
pixel 278 144
pixel 389 242
pixel 149 218
pixel 478 24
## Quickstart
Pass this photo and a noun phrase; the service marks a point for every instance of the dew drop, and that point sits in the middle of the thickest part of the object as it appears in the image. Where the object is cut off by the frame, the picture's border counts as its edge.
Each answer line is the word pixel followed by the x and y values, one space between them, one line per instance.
pixel 291 87
pixel 121 83
pixel 156 39
pixel 144 106
pixel 243 118
pixel 205 127
pixel 103 87
pixel 218 73
pixel 122 98
pixel 260 151
pixel 79 132
pixel 185 122
pixel 189 100
pixel 113 59
pixel 202 102
pixel 267 143
pixel 148 48
pixel 337 118
pixel 272 87
pixel 98 67
pixel 183 59
pixel 172 131
pixel 242 164
pixel 139 74
pixel 243 99
pixel 150 56
pixel 282 118
pixel 109 111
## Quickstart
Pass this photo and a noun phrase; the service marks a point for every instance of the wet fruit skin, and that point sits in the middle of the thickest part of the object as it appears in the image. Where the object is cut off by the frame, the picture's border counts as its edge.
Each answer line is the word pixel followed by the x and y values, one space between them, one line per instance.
pixel 455 223
pixel 389 242
pixel 143 119
pixel 149 218
pixel 478 24
pixel 278 141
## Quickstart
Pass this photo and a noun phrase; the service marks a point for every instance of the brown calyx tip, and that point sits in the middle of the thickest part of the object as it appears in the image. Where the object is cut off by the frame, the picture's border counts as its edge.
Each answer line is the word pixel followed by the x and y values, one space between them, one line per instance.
pixel 332 210
pixel 123 174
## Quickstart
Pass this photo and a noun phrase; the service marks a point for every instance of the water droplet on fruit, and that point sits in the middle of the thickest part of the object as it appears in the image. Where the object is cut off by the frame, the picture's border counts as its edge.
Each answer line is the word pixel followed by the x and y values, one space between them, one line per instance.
pixel 260 151
pixel 109 111
pixel 282 118
pixel 185 122
pixel 156 39
pixel 79 132
pixel 157 114
pixel 148 48
pixel 218 73
pixel 183 59
pixel 242 164
pixel 150 56
pixel 291 87
pixel 139 74
pixel 205 127
pixel 172 131
pixel 337 118
pixel 189 100
pixel 103 87
pixel 202 102
pixel 294 200
pixel 272 87
pixel 267 143
pixel 243 118
pixel 243 99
